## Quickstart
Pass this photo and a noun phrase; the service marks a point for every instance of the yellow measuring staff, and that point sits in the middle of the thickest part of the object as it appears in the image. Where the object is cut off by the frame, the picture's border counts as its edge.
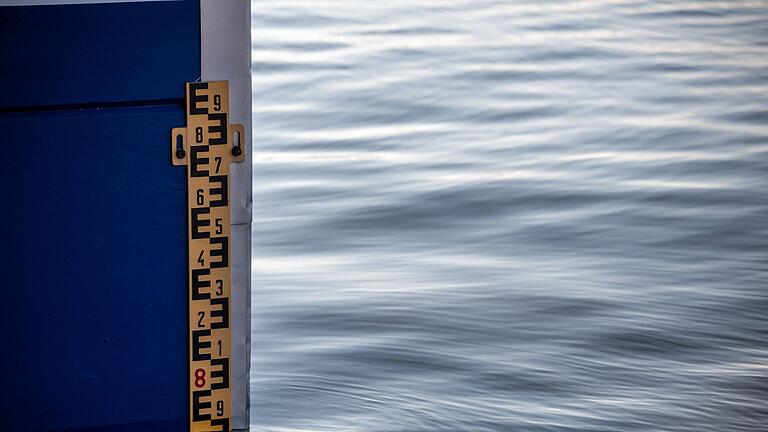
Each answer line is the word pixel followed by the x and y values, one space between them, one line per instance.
pixel 207 146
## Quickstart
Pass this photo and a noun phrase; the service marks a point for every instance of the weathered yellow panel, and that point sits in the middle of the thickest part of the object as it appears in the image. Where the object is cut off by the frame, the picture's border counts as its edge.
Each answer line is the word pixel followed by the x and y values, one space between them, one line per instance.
pixel 207 147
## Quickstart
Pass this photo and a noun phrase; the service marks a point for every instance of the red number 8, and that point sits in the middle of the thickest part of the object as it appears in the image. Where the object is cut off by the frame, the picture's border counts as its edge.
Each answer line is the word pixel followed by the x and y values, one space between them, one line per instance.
pixel 199 378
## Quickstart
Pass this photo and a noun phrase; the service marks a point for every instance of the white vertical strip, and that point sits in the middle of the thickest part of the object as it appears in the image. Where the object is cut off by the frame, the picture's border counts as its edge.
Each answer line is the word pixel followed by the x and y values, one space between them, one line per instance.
pixel 226 55
pixel 241 323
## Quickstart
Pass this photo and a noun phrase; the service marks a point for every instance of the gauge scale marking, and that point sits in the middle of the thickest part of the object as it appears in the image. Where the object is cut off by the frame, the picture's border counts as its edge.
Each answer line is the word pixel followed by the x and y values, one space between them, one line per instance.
pixel 207 146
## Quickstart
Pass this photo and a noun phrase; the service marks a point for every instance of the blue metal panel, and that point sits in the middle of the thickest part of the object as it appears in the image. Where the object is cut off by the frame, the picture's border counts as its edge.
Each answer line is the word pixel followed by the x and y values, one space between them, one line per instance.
pixel 94 309
pixel 97 53
pixel 93 219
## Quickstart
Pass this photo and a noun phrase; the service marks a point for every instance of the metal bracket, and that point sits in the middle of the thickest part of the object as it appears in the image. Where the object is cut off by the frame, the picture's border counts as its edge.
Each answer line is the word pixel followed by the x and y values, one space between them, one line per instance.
pixel 235 138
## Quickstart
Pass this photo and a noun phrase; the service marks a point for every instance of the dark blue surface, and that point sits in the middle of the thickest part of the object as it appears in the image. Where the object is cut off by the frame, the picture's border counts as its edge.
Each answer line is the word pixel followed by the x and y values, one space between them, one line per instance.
pixel 77 54
pixel 94 216
pixel 94 268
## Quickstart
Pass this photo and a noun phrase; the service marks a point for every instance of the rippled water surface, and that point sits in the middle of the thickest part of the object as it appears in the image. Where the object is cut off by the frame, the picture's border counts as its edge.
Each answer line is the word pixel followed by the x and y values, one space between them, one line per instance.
pixel 485 215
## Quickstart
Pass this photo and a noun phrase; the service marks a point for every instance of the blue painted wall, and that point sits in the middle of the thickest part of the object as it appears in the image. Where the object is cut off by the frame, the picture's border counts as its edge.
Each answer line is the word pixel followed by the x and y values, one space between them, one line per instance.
pixel 98 54
pixel 93 220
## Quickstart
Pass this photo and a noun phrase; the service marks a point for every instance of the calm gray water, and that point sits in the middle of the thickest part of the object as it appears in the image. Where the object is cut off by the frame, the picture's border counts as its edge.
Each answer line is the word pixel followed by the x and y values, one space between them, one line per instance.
pixel 485 215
